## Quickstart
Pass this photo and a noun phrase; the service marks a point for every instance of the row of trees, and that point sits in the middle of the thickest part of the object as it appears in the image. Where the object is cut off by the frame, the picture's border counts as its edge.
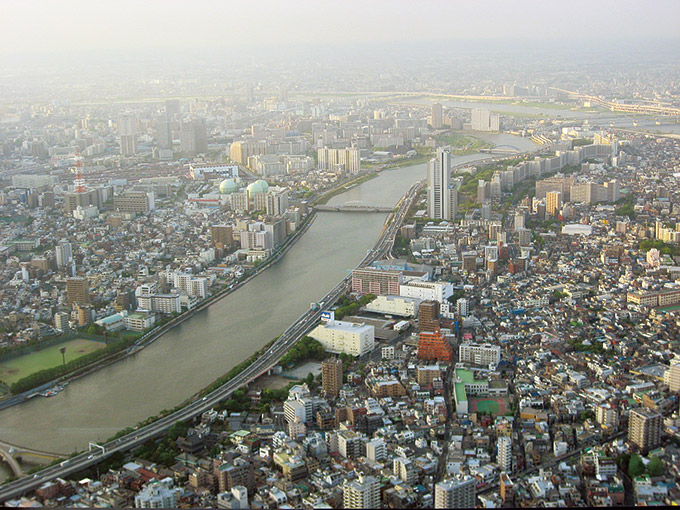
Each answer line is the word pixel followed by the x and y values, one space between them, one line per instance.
pixel 348 306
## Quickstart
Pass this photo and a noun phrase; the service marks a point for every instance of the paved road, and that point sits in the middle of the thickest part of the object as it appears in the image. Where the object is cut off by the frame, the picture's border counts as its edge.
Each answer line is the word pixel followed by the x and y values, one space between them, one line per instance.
pixel 260 366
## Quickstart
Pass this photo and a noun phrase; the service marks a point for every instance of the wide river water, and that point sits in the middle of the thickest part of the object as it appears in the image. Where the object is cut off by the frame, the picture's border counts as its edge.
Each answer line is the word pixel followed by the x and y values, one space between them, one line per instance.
pixel 197 352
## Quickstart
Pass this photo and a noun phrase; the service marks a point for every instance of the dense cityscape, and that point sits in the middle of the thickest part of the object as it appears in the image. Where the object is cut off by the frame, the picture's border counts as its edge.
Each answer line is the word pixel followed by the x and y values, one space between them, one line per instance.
pixel 395 279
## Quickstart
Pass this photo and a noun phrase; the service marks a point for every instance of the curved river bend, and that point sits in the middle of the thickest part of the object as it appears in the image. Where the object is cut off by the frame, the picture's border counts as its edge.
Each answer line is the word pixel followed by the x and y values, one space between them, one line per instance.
pixel 201 349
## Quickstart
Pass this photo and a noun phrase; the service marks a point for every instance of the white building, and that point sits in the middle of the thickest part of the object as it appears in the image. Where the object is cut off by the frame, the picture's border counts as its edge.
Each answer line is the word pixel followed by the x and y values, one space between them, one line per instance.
pixel 376 450
pixel 442 194
pixel 437 291
pixel 504 457
pixel 361 493
pixel 157 495
pixel 394 305
pixel 455 493
pixel 484 120
pixel 237 499
pixel 348 337
pixel 480 354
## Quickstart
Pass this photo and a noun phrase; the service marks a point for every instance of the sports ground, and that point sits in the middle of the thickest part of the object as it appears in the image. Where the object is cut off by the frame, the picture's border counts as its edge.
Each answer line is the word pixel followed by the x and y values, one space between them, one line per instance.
pixel 495 406
pixel 14 369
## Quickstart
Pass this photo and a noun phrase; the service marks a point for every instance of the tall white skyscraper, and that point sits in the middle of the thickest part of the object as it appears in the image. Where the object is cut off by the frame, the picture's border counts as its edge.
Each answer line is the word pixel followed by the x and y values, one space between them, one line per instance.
pixel 442 194
pixel 504 457
pixel 63 253
pixel 127 129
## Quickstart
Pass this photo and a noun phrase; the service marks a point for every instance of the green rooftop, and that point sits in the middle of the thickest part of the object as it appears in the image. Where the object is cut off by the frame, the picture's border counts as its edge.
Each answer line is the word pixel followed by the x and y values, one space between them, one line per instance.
pixel 465 375
pixel 460 392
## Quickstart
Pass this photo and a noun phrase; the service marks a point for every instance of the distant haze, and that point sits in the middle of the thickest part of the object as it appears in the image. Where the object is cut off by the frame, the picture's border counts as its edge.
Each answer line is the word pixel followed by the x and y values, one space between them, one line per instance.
pixel 43 27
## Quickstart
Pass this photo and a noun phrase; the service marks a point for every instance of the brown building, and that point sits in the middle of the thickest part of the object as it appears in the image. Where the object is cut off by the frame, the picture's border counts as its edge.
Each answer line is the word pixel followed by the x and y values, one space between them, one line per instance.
pixel 222 235
pixel 428 374
pixel 240 472
pixel 507 489
pixel 388 388
pixel 428 316
pixel 331 376
pixel 644 428
pixel 433 346
pixel 77 291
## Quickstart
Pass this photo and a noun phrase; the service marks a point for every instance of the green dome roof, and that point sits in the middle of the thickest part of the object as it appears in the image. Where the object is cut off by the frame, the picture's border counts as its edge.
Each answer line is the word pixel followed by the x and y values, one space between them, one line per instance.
pixel 258 187
pixel 228 186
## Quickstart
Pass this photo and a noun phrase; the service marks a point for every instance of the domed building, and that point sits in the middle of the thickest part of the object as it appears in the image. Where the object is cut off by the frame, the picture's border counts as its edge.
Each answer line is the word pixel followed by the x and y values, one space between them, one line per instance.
pixel 228 186
pixel 258 186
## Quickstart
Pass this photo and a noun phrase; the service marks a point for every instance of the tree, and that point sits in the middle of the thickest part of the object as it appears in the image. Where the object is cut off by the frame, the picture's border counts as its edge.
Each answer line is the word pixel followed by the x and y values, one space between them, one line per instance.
pixel 635 466
pixel 655 467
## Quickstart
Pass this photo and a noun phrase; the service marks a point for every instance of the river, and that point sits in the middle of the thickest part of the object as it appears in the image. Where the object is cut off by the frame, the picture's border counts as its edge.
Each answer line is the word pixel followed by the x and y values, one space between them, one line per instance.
pixel 201 349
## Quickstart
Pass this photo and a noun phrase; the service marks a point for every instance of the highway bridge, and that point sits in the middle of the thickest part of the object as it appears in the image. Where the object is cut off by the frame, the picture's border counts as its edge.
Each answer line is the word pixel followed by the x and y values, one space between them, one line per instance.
pixel 354 206
pixel 502 149
pixel 260 366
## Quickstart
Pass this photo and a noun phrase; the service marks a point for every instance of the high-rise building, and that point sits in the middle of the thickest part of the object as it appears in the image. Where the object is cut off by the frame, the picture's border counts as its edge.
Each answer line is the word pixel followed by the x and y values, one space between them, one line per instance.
pixel 61 321
pixel 484 120
pixel 361 493
pixel 331 376
pixel 77 291
pixel 644 428
pixel 504 456
pixel 428 316
pixel 222 235
pixel 553 202
pixel 442 194
pixel 455 493
pixel 164 132
pixel 193 137
pixel 437 116
pixel 127 130
pixel 349 157
pixel 433 346
pixel 64 253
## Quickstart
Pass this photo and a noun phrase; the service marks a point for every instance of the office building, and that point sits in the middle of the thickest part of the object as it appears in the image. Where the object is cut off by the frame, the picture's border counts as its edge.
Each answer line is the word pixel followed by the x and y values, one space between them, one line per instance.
pixel 331 376
pixel 77 291
pixel 127 131
pixel 644 428
pixel 442 194
pixel 479 354
pixel 364 492
pixel 394 305
pixel 455 493
pixel 504 455
pixel 376 281
pixel 433 346
pixel 437 116
pixel 428 316
pixel 241 150
pixel 352 338
pixel 484 120
pixel 61 321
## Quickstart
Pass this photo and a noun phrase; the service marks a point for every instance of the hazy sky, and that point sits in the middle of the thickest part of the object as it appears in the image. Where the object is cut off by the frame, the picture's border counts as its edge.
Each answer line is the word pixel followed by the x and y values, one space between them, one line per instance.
pixel 46 26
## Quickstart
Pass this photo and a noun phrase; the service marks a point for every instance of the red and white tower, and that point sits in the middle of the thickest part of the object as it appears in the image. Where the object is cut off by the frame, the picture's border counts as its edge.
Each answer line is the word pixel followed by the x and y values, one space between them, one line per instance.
pixel 78 170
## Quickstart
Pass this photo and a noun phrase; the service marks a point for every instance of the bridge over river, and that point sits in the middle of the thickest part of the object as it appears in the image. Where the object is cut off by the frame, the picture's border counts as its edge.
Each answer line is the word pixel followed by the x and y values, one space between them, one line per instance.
pixel 354 206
